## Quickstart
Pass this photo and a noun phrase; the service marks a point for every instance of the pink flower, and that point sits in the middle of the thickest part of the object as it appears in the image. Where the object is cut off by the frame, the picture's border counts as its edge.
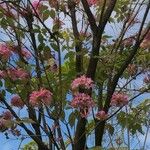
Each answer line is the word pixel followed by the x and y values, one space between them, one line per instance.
pixel 5 52
pixel 36 4
pixel 101 115
pixel 3 124
pixel 119 99
pixel 7 115
pixel 82 81
pixel 17 101
pixel 92 2
pixel 17 73
pixel 41 96
pixel 83 102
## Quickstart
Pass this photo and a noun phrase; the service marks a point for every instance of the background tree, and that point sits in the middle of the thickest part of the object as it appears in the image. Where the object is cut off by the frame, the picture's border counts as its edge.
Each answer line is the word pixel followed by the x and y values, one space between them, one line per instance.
pixel 72 69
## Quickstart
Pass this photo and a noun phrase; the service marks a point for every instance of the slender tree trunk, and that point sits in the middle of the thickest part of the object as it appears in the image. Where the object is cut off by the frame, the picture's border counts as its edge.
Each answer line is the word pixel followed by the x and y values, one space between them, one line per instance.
pixel 99 130
pixel 80 137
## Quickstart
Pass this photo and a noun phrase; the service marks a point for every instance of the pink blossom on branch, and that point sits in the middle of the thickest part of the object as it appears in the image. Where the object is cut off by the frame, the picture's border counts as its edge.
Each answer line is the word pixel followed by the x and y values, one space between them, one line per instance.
pixel 101 115
pixel 92 2
pixel 17 73
pixel 5 52
pixel 82 81
pixel 36 4
pixel 119 99
pixel 83 102
pixel 42 96
pixel 7 115
pixel 17 101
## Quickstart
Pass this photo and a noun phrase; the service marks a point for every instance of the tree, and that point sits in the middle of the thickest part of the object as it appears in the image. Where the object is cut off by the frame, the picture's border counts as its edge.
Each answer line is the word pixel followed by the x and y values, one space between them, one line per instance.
pixel 62 66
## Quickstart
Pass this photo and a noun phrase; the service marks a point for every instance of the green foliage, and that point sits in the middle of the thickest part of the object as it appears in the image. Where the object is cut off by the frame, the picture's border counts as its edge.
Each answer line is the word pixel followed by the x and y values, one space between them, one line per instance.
pixel 30 146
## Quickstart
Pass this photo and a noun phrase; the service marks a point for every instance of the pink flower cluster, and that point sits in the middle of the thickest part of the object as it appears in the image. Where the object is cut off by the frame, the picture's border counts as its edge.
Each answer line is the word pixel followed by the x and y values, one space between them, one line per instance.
pixel 17 101
pixel 14 74
pixel 92 2
pixel 82 81
pixel 17 73
pixel 23 52
pixel 35 4
pixel 42 96
pixel 101 115
pixel 5 117
pixel 5 52
pixel 119 99
pixel 83 102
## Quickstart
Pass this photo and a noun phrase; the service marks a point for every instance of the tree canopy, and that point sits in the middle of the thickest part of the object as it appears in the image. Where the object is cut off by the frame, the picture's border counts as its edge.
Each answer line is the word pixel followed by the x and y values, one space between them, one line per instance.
pixel 75 70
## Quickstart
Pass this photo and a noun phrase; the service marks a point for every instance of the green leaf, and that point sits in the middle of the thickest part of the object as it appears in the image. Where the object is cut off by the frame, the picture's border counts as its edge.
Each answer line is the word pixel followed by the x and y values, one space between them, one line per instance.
pixel 72 118
pixel 96 148
pixel 54 46
pixel 110 129
pixel 52 13
pixel 46 15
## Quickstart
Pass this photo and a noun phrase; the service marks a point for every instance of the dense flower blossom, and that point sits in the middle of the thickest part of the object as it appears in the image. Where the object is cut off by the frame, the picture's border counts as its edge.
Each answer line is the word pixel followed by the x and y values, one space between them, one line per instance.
pixel 41 96
pixel 17 73
pixel 83 102
pixel 5 52
pixel 17 101
pixel 101 115
pixel 119 99
pixel 7 115
pixel 82 81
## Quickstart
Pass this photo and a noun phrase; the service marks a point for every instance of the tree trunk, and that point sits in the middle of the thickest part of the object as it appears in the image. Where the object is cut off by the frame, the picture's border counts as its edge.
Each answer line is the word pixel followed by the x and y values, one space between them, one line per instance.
pixel 80 136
